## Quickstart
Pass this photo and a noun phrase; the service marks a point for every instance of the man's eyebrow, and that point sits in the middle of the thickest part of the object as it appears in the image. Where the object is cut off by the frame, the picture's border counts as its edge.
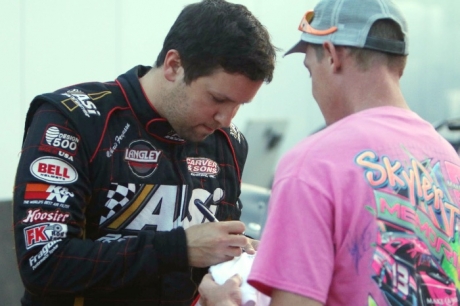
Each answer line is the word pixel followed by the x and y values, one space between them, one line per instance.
pixel 222 97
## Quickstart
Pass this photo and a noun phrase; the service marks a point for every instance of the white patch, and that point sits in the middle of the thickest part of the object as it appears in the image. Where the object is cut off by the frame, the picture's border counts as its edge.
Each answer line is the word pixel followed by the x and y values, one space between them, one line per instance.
pixel 53 170
pixel 43 233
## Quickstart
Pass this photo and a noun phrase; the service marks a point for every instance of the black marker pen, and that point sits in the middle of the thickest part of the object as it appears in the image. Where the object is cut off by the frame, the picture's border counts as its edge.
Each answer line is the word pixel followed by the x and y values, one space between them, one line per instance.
pixel 205 211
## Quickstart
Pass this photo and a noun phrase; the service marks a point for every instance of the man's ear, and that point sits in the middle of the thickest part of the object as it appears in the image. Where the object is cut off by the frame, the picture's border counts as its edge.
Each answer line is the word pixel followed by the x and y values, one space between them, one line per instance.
pixel 333 56
pixel 172 67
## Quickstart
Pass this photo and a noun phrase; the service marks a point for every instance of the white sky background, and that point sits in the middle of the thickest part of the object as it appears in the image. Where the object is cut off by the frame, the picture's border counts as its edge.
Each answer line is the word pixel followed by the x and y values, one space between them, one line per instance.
pixel 48 44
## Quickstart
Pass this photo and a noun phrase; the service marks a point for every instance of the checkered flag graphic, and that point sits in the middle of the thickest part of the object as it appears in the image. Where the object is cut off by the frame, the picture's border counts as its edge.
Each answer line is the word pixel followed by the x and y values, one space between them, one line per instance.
pixel 117 197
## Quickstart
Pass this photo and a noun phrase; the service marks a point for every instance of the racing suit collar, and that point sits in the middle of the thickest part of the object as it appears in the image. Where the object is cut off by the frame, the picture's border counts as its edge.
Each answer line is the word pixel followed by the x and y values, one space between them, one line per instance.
pixel 143 110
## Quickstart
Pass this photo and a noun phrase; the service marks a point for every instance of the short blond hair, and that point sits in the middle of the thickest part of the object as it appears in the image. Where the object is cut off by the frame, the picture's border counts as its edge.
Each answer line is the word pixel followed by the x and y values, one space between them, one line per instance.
pixel 383 28
pixel 386 29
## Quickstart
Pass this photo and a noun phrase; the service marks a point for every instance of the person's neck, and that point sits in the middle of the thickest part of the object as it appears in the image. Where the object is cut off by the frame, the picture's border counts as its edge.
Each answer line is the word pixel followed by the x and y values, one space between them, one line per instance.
pixel 361 90
pixel 151 83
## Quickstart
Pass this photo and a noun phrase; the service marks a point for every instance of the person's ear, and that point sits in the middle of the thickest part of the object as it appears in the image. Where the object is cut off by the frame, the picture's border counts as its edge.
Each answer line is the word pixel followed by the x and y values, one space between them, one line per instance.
pixel 333 55
pixel 172 67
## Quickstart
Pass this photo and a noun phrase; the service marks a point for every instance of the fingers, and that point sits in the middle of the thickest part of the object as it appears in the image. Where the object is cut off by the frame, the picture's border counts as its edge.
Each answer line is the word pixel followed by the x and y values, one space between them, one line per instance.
pixel 234 281
pixel 249 247
pixel 207 280
pixel 229 294
pixel 234 227
pixel 234 252
pixel 238 241
pixel 212 243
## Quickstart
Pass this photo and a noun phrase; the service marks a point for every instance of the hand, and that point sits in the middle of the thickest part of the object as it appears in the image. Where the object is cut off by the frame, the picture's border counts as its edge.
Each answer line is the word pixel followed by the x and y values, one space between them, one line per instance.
pixel 228 294
pixel 211 243
pixel 252 246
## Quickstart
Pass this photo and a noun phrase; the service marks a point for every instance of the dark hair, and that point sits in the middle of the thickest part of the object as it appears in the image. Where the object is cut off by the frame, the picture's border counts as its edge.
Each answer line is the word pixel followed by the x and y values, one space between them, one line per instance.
pixel 214 34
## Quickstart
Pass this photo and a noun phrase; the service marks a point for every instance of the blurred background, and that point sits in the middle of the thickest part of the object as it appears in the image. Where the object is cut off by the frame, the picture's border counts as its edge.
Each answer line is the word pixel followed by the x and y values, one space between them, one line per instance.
pixel 49 44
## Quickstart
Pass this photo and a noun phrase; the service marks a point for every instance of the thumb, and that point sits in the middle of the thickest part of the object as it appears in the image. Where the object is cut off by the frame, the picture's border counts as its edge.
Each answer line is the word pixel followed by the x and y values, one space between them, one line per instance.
pixel 235 279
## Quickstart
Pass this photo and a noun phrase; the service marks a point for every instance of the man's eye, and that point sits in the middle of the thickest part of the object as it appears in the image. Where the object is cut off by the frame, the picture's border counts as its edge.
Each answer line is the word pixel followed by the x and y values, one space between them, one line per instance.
pixel 218 100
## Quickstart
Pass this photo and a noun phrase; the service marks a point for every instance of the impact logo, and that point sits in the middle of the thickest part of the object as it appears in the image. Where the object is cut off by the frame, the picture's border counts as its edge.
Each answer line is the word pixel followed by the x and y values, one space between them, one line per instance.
pixel 200 166
pixel 39 191
pixel 77 98
pixel 60 140
pixel 53 170
pixel 142 158
pixel 43 233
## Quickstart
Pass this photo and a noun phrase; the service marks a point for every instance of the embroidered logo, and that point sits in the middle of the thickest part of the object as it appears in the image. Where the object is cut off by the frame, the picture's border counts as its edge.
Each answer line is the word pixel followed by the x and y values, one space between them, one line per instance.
pixel 142 158
pixel 200 166
pixel 236 133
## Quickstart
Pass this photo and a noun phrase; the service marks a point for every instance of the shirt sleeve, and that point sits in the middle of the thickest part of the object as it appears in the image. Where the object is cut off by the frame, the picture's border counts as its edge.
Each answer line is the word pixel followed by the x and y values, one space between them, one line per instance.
pixel 51 192
pixel 296 252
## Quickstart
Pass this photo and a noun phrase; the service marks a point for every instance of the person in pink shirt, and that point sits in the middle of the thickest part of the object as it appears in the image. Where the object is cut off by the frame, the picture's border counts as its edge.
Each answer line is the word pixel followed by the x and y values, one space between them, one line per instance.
pixel 365 211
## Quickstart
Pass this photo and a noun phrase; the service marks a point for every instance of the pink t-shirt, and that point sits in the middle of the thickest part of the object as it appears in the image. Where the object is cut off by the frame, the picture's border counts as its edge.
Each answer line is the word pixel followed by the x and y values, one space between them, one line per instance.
pixel 365 212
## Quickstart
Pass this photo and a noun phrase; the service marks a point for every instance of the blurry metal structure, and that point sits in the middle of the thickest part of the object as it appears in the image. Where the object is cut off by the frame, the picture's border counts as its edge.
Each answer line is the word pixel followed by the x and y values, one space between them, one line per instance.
pixel 264 138
pixel 255 204
pixel 450 130
pixel 11 288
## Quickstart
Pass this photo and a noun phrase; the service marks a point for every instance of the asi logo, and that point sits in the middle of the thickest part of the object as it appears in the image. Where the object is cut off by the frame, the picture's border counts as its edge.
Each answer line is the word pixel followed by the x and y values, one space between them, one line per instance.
pixel 83 100
pixel 53 170
pixel 142 158
pixel 43 233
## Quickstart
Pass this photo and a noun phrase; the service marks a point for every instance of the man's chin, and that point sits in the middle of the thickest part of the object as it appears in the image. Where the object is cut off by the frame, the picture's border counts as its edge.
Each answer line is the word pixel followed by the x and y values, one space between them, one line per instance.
pixel 196 137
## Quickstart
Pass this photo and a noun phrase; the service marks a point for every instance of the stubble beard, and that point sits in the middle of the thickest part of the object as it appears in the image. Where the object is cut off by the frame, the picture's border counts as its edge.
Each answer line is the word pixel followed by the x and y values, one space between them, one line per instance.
pixel 175 110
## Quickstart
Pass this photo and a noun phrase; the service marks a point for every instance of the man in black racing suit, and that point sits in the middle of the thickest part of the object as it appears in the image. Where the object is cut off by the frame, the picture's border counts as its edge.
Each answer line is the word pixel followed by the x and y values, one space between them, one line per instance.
pixel 105 191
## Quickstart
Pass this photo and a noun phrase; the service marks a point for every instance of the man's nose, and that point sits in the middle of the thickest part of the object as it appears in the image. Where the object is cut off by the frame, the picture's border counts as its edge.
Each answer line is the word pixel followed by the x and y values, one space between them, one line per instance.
pixel 225 115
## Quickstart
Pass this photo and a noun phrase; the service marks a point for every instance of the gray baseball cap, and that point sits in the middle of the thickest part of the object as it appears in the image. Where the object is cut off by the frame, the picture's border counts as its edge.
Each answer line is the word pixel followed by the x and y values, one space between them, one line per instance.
pixel 347 23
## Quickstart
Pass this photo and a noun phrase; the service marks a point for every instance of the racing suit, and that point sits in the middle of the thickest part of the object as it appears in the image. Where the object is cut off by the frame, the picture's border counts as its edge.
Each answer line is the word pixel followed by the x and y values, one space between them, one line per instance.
pixel 103 192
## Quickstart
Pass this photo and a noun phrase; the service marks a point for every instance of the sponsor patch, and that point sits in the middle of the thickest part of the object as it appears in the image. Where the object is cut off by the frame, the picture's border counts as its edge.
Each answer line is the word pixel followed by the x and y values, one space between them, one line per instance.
pixel 200 166
pixel 45 252
pixel 40 191
pixel 236 133
pixel 77 98
pixel 60 141
pixel 39 215
pixel 142 158
pixel 172 135
pixel 43 233
pixel 53 170
pixel 118 140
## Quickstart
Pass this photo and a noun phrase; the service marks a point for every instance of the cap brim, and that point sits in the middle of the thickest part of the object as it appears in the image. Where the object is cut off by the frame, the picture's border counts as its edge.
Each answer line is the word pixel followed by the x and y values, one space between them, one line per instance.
pixel 300 47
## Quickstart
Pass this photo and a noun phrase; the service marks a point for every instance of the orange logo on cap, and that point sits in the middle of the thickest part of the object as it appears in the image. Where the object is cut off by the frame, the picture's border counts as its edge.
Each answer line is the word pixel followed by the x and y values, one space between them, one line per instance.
pixel 305 26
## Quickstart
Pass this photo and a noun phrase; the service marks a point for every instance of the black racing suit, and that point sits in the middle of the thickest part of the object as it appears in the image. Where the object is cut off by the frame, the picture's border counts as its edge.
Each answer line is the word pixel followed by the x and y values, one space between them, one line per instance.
pixel 103 192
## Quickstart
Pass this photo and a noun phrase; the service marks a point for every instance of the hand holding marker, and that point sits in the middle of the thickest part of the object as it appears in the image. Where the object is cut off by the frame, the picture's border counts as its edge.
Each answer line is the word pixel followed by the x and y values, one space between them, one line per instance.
pixel 208 214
